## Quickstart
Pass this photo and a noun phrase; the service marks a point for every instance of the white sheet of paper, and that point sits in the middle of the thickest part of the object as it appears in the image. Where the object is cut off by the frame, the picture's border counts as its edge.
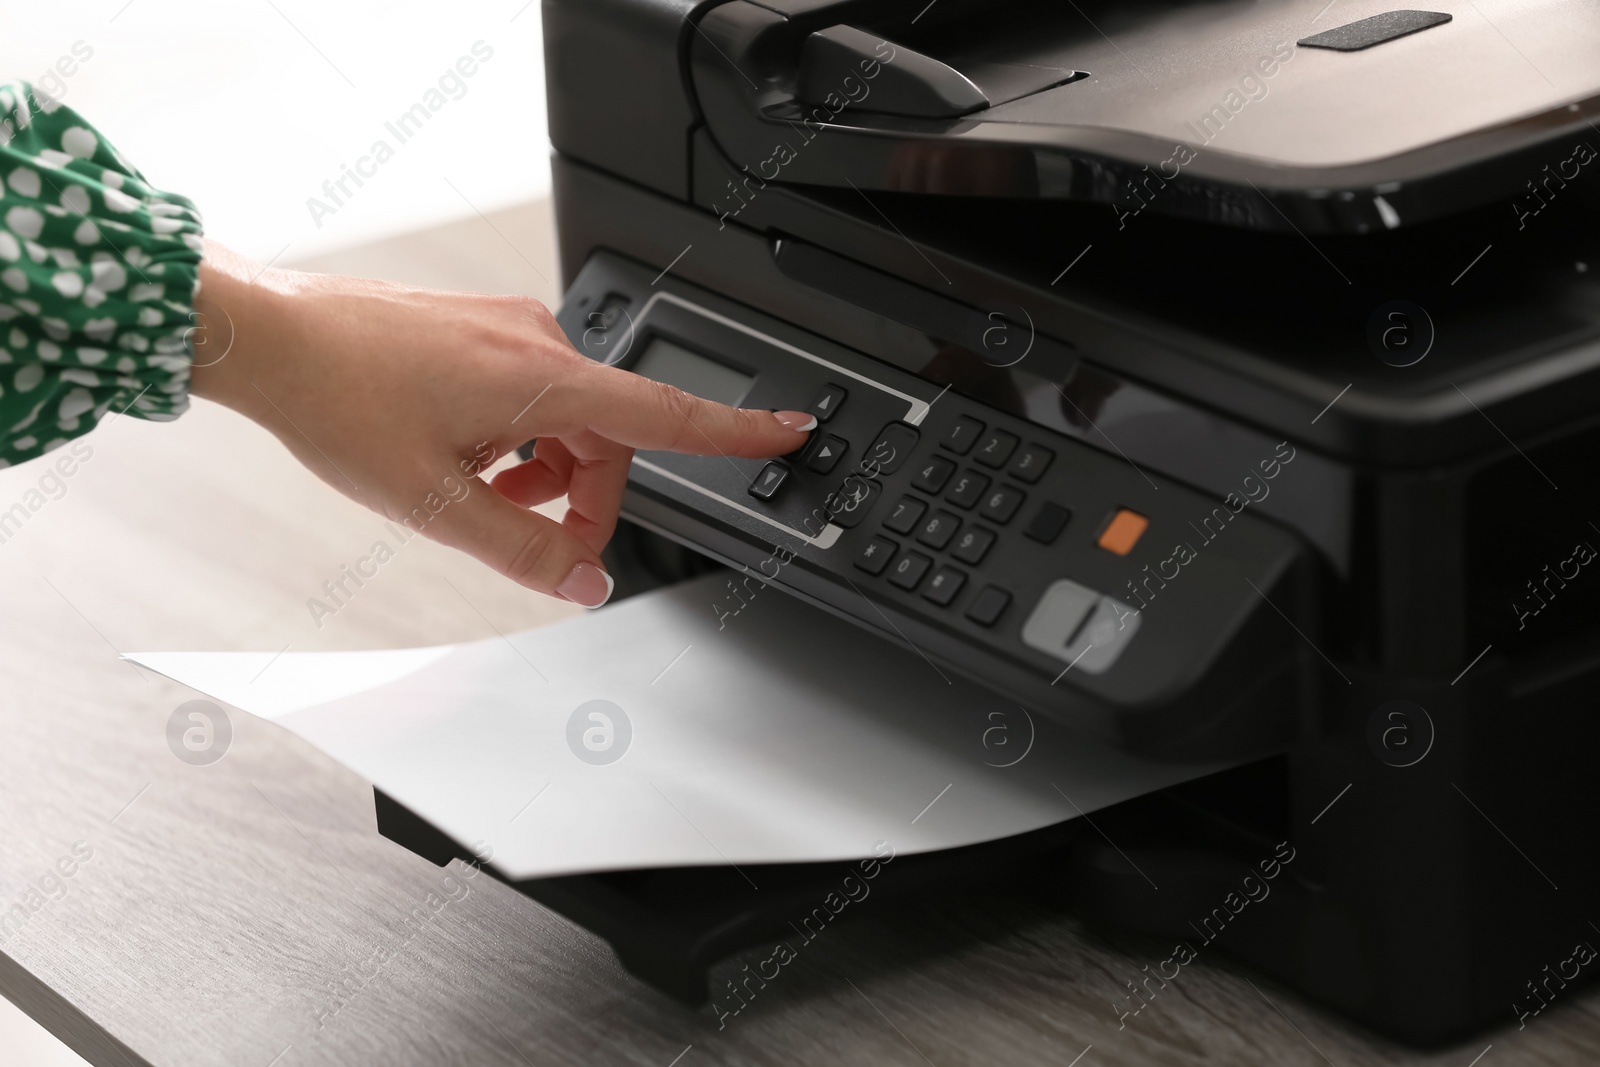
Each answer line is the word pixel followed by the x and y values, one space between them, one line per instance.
pixel 778 734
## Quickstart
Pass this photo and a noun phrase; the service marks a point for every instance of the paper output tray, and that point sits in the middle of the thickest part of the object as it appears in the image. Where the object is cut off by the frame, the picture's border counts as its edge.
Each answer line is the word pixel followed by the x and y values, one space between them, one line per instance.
pixel 670 926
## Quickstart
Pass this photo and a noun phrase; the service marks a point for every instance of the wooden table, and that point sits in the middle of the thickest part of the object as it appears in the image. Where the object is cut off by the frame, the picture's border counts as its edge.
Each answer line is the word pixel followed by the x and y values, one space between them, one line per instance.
pixel 247 913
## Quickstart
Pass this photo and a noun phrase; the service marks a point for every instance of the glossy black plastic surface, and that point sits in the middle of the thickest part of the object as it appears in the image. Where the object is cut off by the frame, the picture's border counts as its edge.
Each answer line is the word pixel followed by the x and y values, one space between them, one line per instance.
pixel 1440 483
pixel 1212 102
pixel 1212 662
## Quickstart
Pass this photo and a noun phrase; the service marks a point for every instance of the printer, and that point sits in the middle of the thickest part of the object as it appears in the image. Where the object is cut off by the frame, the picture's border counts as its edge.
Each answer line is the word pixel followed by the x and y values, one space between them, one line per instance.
pixel 1218 378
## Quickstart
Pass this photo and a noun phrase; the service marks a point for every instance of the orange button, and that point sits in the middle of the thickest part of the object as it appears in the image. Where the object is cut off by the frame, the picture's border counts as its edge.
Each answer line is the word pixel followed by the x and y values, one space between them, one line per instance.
pixel 1123 532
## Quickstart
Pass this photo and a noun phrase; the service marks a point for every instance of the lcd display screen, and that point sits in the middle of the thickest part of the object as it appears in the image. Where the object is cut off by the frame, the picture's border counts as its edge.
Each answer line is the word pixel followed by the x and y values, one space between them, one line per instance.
pixel 693 373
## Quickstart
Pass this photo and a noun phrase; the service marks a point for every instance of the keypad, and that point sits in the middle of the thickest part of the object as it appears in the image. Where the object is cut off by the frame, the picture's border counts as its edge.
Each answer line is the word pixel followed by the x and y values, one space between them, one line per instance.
pixel 769 481
pixel 962 435
pixel 932 473
pixel 876 556
pixel 967 489
pixel 1047 525
pixel 995 448
pixel 907 512
pixel 908 570
pixel 927 543
pixel 1031 463
pixel 1002 503
pixel 987 607
pixel 893 447
pixel 944 585
pixel 938 529
pixel 973 544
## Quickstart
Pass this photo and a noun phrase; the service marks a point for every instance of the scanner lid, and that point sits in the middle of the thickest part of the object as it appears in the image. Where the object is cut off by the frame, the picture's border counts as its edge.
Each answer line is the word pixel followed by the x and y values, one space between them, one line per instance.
pixel 1348 116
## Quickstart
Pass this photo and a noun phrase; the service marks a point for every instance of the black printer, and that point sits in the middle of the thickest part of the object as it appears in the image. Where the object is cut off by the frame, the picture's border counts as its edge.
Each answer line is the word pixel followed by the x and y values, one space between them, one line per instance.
pixel 1220 378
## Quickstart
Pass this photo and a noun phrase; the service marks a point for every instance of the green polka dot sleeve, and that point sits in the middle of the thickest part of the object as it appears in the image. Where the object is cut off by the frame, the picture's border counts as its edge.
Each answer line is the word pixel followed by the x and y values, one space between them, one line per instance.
pixel 98 273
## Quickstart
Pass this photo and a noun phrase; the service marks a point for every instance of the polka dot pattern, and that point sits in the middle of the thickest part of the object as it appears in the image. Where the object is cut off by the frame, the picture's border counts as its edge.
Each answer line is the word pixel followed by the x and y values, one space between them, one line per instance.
pixel 98 274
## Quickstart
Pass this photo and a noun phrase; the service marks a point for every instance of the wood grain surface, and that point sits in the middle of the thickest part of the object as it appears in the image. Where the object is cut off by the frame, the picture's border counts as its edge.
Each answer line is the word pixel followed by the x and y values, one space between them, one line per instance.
pixel 247 913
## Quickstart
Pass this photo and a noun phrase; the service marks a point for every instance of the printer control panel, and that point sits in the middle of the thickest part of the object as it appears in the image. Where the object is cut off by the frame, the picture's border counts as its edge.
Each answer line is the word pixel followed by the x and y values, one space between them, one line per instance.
pixel 1061 574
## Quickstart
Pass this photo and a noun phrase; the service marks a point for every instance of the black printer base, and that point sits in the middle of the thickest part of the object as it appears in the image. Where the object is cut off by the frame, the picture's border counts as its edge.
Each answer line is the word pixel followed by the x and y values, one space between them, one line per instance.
pixel 1428 952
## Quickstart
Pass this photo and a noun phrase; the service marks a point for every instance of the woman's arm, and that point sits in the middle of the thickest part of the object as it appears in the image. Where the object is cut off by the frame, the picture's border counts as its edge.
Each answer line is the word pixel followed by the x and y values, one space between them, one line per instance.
pixel 397 397
pixel 111 300
pixel 97 277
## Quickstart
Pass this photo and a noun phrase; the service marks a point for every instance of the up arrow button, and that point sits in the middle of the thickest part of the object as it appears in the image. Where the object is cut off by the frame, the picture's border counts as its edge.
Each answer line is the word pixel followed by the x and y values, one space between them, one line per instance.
pixel 827 402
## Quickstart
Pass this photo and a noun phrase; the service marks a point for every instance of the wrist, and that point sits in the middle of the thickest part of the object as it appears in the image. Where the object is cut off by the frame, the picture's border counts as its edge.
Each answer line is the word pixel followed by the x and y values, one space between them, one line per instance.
pixel 240 311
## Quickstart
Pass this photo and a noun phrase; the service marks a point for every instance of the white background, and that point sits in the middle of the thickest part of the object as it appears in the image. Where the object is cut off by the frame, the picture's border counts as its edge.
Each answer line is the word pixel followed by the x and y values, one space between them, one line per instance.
pixel 248 106
pixel 230 103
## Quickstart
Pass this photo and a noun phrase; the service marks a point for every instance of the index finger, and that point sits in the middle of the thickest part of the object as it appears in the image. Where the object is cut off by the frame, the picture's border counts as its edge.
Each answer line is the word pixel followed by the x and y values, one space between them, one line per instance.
pixel 641 413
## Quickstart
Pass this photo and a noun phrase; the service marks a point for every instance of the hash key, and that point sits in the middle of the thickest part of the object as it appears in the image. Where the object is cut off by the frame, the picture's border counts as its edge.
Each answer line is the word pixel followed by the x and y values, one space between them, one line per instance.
pixel 944 585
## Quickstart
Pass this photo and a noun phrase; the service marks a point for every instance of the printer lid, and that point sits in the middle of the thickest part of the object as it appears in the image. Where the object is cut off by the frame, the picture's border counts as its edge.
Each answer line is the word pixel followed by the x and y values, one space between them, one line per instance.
pixel 1329 116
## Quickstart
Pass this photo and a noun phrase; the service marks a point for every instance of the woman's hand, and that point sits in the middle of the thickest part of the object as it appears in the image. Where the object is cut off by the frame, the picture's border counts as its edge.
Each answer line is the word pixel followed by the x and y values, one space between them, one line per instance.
pixel 399 397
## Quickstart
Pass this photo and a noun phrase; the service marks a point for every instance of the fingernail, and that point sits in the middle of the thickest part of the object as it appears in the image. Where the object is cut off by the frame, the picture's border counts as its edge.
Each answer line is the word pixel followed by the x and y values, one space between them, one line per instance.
pixel 797 420
pixel 587 585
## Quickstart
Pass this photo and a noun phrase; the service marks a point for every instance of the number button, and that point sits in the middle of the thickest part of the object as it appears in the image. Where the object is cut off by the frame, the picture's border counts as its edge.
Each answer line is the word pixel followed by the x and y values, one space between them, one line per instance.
pixel 876 556
pixel 968 489
pixel 995 449
pixel 1003 503
pixel 906 514
pixel 1031 463
pixel 909 569
pixel 962 435
pixel 944 585
pixel 938 530
pixel 933 474
pixel 973 545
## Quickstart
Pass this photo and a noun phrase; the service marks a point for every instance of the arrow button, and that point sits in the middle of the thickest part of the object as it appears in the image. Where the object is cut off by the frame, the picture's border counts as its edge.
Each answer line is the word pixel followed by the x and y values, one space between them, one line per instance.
pixel 769 481
pixel 827 402
pixel 827 452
